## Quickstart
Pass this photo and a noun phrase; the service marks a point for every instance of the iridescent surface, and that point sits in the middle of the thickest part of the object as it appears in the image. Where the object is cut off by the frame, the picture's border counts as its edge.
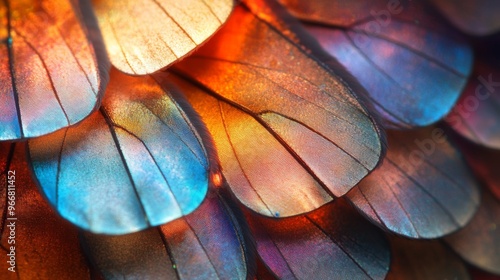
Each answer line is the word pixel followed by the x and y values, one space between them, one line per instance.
pixel 476 17
pixel 412 67
pixel 39 94
pixel 206 244
pixel 137 162
pixel 478 109
pixel 333 242
pixel 290 134
pixel 144 36
pixel 46 246
pixel 479 242
pixel 423 189
pixel 423 260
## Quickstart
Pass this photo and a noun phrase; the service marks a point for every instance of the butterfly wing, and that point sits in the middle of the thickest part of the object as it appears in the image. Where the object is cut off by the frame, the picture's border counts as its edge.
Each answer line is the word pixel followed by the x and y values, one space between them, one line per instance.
pixel 39 94
pixel 290 132
pixel 333 242
pixel 45 246
pixel 139 161
pixel 134 31
pixel 206 244
pixel 412 67
pixel 479 242
pixel 423 189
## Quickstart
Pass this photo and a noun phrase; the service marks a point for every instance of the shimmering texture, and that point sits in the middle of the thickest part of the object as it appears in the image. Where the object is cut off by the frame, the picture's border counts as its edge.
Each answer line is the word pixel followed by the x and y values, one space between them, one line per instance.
pixel 424 259
pixel 39 93
pixel 477 113
pixel 206 244
pixel 291 135
pixel 475 17
pixel 333 242
pixel 479 242
pixel 140 161
pixel 413 70
pixel 423 189
pixel 145 36
pixel 46 246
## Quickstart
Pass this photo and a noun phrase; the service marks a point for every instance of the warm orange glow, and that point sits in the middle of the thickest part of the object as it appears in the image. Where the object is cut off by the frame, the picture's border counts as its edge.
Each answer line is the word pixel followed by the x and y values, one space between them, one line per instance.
pixel 217 179
pixel 145 36
pixel 50 70
pixel 293 134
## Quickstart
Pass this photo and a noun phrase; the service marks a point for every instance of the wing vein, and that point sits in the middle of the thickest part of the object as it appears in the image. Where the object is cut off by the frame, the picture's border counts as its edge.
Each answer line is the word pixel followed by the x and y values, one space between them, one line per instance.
pixel 124 162
pixel 54 90
pixel 224 123
pixel 427 192
pixel 337 243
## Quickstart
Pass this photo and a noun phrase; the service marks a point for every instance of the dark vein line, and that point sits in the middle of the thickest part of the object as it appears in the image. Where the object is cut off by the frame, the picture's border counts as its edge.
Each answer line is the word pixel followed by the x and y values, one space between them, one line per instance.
pixel 49 76
pixel 374 65
pixel 264 232
pixel 154 160
pixel 383 73
pixel 382 107
pixel 70 49
pixel 461 187
pixel 10 52
pixel 58 174
pixel 224 123
pixel 212 11
pixel 167 46
pixel 147 45
pixel 332 113
pixel 174 20
pixel 169 251
pixel 437 201
pixel 372 207
pixel 415 51
pixel 377 259
pixel 242 244
pixel 124 161
pixel 322 136
pixel 400 204
pixel 261 122
pixel 187 120
pixel 341 247
pixel 174 132
pixel 203 248
pixel 250 65
pixel 113 31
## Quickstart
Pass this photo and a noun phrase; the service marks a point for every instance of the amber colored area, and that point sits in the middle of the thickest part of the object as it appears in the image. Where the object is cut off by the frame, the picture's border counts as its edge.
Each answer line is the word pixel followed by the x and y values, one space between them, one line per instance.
pixel 46 246
pixel 51 70
pixel 291 135
pixel 217 179
pixel 147 35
